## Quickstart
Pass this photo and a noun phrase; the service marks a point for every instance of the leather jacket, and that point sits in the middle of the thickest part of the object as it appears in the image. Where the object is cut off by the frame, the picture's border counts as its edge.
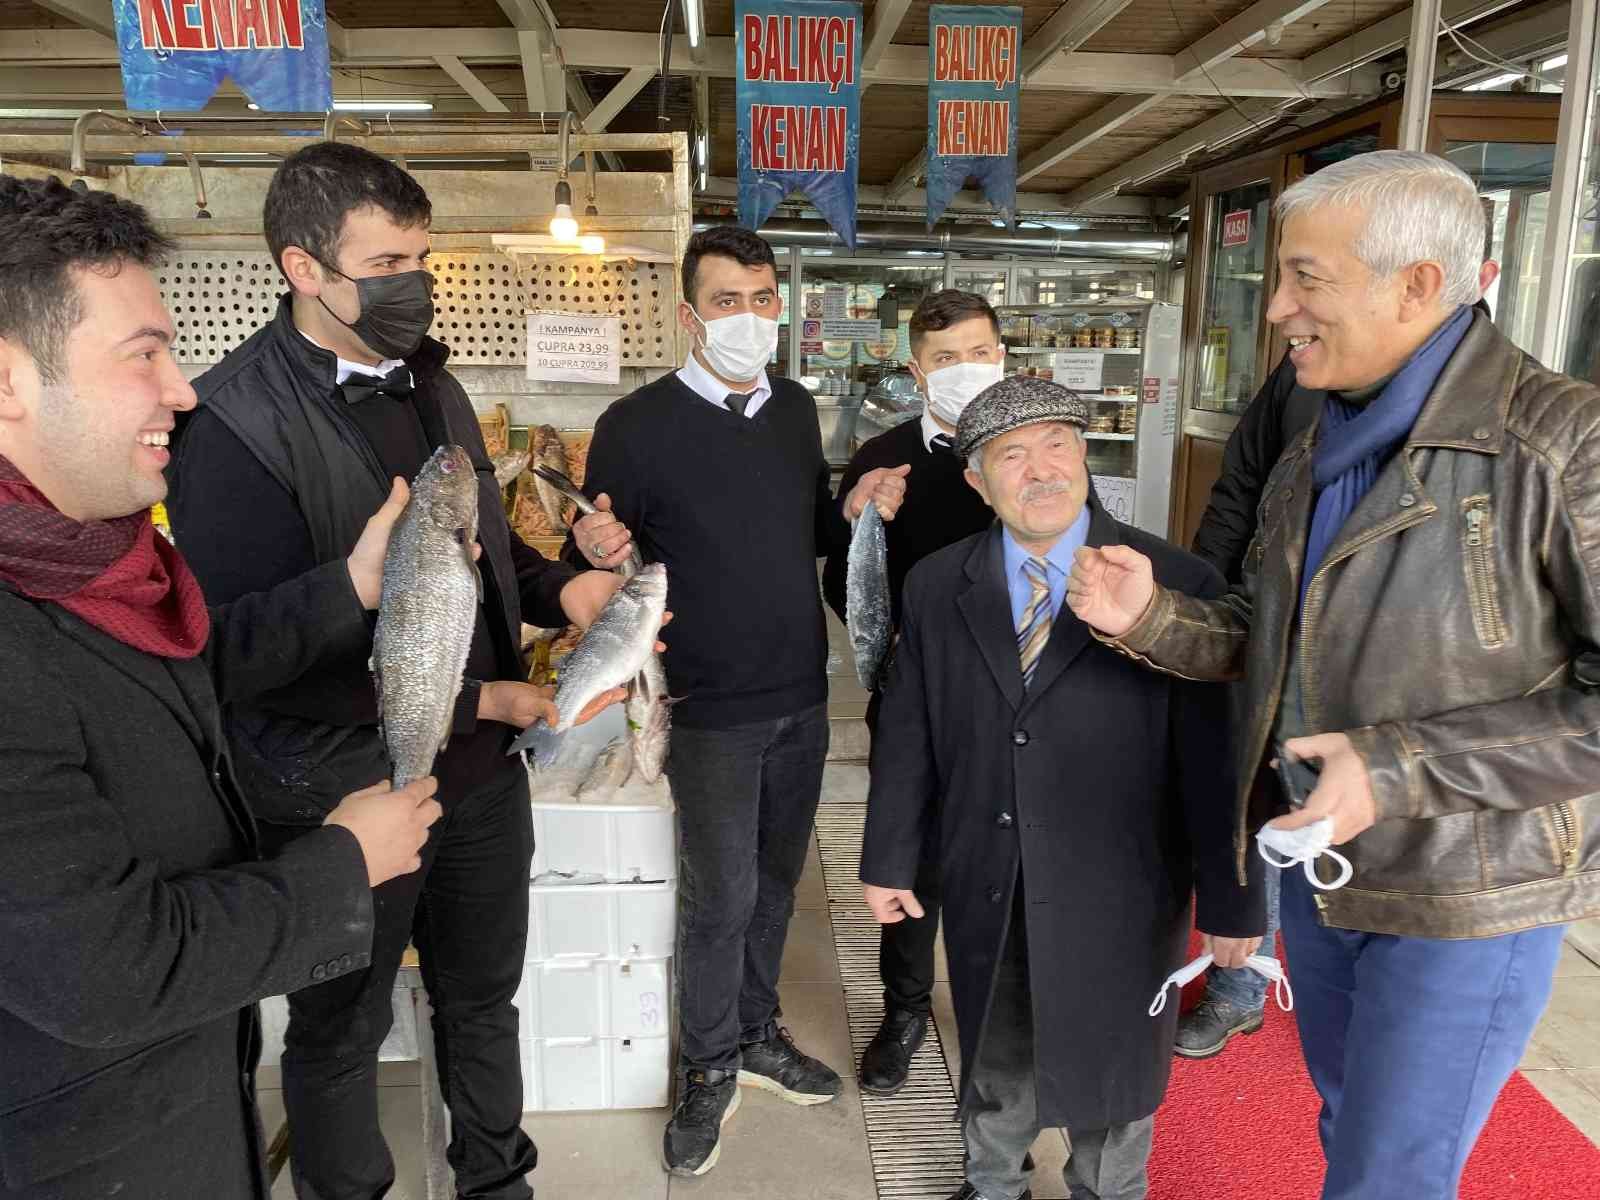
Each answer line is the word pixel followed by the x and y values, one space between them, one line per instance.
pixel 1453 631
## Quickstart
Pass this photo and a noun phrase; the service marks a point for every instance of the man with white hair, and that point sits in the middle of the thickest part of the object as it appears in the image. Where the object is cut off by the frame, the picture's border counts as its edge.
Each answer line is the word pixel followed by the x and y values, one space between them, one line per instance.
pixel 1417 622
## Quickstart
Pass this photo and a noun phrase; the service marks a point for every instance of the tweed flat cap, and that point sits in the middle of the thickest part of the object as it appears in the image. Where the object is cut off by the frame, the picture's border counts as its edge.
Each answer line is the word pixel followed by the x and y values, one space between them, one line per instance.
pixel 1012 403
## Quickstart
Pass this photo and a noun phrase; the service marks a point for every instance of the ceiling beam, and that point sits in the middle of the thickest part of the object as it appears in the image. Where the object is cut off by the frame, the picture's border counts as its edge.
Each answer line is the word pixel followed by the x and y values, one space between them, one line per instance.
pixel 1081 133
pixel 1073 24
pixel 338 39
pixel 1531 32
pixel 529 15
pixel 1243 31
pixel 722 187
pixel 543 73
pixel 909 174
pixel 471 84
pixel 1218 130
pixel 1389 36
pixel 578 100
pixel 614 101
pixel 885 22
pixel 91 14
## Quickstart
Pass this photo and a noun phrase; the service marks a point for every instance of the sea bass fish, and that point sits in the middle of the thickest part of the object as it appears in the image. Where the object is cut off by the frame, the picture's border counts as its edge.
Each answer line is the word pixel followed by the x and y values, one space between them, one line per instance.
pixel 509 465
pixel 610 772
pixel 613 650
pixel 867 596
pixel 649 705
pixel 549 452
pixel 431 590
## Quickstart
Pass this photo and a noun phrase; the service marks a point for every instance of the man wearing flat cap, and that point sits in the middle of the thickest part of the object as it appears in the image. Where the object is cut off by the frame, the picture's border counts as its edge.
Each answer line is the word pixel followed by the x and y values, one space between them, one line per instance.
pixel 1076 799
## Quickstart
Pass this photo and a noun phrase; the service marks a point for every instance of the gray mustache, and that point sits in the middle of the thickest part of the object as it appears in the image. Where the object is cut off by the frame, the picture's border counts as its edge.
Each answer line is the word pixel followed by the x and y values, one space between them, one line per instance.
pixel 1041 491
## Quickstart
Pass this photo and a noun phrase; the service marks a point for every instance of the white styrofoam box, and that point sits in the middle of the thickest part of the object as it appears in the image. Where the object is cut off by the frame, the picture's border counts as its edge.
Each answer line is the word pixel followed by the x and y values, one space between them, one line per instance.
pixel 602 920
pixel 595 997
pixel 616 843
pixel 580 1073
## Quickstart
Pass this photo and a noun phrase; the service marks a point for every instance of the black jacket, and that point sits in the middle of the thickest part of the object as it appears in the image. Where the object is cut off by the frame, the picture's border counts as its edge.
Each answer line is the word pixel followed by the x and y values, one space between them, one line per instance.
pixel 1106 789
pixel 137 928
pixel 270 478
pixel 1278 414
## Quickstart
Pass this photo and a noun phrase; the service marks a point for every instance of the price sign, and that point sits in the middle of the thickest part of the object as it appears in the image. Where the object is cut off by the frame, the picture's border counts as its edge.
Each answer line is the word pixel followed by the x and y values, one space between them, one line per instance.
pixel 1080 372
pixel 574 348
pixel 1116 496
pixel 1236 228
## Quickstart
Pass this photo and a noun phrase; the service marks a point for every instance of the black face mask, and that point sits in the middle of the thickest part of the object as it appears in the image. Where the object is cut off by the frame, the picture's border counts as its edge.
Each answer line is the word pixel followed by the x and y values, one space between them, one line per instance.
pixel 396 311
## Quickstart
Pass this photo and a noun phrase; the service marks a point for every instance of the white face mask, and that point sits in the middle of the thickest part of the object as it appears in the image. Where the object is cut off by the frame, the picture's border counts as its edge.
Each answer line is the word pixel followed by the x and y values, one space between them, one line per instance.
pixel 950 389
pixel 739 347
pixel 1262 964
pixel 1304 845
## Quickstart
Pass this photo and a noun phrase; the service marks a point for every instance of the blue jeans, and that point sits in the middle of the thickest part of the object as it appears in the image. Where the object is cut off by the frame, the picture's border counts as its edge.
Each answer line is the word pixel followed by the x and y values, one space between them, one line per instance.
pixel 1408 1040
pixel 1240 986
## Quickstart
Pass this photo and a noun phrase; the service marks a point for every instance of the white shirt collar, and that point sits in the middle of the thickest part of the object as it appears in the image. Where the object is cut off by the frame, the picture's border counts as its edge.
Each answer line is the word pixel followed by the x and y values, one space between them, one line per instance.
pixel 344 368
pixel 711 389
pixel 931 430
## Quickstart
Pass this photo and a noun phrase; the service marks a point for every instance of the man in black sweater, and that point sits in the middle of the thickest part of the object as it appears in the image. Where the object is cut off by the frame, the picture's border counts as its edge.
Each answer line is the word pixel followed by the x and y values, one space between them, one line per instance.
pixel 718 471
pixel 956 353
pixel 297 431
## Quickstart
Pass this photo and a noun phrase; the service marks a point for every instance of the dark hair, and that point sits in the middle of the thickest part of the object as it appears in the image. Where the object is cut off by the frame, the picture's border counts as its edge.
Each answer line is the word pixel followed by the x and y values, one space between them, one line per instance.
pixel 49 229
pixel 317 188
pixel 940 310
pixel 727 241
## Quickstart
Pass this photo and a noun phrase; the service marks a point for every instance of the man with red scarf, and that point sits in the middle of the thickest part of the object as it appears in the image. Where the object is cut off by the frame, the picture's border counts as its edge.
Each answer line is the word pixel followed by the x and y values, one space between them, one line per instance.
pixel 138 924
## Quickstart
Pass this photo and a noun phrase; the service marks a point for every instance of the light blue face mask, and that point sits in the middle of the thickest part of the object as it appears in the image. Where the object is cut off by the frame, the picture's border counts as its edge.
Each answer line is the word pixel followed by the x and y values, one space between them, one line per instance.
pixel 1261 964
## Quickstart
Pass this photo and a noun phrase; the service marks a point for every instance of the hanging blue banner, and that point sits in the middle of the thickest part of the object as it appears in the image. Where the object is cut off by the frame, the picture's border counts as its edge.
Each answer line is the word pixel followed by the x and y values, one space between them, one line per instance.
pixel 972 104
pixel 176 53
pixel 797 85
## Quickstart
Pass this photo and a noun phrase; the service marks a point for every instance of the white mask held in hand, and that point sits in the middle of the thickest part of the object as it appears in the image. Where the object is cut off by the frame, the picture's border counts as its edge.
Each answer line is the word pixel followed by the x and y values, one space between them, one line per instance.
pixel 951 389
pixel 739 347
pixel 1304 845
pixel 1261 964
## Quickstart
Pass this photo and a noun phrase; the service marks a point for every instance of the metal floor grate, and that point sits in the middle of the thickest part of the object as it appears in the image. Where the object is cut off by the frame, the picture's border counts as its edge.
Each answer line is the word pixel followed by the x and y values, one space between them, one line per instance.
pixel 913 1136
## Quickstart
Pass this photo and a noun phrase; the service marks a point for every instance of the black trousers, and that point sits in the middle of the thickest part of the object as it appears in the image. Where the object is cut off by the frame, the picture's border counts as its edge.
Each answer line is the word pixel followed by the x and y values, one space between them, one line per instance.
pixel 905 949
pixel 467 912
pixel 747 801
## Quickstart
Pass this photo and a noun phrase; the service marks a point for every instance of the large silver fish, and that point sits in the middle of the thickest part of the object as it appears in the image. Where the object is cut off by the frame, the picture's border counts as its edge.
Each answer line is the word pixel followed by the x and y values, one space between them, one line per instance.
pixel 649 705
pixel 431 590
pixel 866 590
pixel 610 772
pixel 509 465
pixel 613 650
pixel 551 453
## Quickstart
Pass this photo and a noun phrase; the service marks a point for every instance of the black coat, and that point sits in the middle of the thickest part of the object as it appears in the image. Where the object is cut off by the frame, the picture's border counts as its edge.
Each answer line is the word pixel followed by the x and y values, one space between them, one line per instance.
pixel 1105 784
pixel 137 928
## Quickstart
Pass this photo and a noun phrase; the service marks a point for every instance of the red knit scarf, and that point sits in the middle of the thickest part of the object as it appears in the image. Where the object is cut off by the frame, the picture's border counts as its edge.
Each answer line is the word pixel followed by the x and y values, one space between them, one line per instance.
pixel 118 575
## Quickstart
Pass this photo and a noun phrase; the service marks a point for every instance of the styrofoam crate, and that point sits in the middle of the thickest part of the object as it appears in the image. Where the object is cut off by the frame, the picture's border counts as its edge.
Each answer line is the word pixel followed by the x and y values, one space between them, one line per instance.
pixel 595 998
pixel 602 920
pixel 577 1074
pixel 614 843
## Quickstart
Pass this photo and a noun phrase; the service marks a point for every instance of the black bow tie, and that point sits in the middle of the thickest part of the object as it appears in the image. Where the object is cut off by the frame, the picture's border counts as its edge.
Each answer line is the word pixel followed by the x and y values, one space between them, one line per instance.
pixel 360 386
pixel 942 441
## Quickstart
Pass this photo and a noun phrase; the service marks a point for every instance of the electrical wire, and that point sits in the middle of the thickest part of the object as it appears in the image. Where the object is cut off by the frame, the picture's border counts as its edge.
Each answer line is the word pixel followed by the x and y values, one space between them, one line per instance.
pixel 1456 36
pixel 1177 24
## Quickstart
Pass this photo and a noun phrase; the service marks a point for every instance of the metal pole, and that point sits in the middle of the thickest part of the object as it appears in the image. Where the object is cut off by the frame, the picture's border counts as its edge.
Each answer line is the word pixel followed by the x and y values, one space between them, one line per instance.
pixel 1419 74
pixel 1566 188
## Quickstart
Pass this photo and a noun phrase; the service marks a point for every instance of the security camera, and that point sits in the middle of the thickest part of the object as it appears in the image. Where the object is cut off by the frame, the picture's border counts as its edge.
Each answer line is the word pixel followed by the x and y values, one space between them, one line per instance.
pixel 1393 81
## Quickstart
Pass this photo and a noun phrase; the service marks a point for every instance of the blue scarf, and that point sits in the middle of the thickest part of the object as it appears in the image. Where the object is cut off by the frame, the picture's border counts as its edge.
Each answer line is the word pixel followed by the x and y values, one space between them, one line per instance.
pixel 1354 443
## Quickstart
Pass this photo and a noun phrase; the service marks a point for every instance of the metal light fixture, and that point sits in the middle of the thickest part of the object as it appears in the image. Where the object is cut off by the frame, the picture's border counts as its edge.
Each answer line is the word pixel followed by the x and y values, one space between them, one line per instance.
pixel 563 225
pixel 694 22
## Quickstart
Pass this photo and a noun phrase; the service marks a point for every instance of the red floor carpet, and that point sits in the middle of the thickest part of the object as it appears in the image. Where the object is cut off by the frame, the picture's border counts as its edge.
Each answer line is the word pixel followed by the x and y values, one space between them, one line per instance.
pixel 1242 1126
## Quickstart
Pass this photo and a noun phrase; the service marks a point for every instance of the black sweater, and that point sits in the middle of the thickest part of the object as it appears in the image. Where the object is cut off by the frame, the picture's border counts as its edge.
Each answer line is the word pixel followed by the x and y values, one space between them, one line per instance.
pixel 739 510
pixel 940 507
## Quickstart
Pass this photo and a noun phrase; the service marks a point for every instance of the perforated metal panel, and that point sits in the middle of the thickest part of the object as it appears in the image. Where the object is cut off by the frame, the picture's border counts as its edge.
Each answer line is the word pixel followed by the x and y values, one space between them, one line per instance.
pixel 642 295
pixel 219 298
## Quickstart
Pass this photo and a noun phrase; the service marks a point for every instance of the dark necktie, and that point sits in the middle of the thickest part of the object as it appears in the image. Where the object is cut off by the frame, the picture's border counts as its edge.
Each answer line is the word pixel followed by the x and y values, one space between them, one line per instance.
pixel 736 402
pixel 943 441
pixel 396 383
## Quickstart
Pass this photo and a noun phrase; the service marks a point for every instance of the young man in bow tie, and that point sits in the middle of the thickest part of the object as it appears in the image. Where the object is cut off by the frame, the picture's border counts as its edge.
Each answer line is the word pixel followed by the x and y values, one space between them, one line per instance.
pixel 298 429
pixel 955 354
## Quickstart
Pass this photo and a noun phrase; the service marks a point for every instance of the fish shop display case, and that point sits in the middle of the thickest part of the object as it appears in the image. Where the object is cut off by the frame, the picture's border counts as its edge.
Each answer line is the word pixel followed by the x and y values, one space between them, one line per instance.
pixel 1123 355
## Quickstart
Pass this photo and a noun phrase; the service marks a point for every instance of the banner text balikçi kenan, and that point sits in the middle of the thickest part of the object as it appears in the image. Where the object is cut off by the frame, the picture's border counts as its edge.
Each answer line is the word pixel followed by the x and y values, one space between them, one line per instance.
pixel 798 49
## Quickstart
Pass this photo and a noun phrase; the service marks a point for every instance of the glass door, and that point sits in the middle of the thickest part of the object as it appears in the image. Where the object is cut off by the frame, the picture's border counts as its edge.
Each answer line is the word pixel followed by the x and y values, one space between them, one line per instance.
pixel 1234 300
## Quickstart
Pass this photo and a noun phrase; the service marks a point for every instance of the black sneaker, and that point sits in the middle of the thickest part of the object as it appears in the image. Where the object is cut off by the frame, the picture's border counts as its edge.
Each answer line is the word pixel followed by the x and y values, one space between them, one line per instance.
pixel 1210 1025
pixel 693 1139
pixel 777 1064
pixel 886 1061
pixel 967 1192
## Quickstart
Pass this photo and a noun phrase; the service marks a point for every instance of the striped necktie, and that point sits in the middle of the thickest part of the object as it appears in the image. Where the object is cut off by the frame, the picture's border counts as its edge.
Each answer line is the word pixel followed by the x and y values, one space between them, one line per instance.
pixel 1034 631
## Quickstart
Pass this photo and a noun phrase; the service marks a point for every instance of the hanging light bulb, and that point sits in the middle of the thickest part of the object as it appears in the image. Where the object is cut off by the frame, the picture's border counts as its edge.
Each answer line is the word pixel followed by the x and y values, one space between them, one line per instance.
pixel 564 226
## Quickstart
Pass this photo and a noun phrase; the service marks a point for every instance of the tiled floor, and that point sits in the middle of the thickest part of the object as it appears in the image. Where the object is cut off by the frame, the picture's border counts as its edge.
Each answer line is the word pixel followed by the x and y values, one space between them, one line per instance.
pixel 780 1152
